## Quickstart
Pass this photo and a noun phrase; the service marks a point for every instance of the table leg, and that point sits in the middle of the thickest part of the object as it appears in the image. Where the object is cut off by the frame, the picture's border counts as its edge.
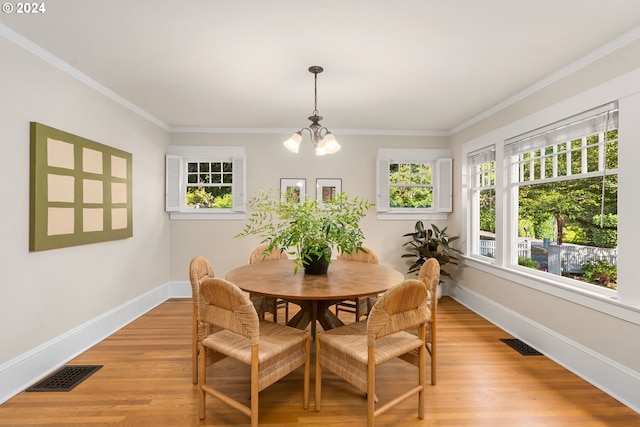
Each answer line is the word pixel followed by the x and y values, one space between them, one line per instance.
pixel 327 318
pixel 302 317
pixel 312 311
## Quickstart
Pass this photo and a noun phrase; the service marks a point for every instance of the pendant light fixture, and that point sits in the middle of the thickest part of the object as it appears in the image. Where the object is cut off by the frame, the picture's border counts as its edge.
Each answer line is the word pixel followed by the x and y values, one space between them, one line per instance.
pixel 323 141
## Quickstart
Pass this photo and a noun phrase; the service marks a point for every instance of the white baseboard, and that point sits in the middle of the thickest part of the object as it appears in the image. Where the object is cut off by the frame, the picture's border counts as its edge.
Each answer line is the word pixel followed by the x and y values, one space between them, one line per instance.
pixel 609 376
pixel 23 371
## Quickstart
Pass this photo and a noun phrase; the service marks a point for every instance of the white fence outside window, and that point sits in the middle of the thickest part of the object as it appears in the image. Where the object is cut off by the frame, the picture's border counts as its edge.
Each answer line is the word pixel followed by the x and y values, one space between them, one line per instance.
pixel 561 258
pixel 488 248
pixel 570 258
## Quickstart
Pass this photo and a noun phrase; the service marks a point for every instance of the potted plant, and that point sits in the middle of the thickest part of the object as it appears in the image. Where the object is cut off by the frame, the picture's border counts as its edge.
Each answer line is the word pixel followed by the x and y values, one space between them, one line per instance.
pixel 432 243
pixel 307 230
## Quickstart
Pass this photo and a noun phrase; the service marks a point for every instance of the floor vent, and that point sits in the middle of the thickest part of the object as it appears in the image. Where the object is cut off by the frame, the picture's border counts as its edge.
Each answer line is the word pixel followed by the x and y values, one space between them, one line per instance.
pixel 520 347
pixel 66 378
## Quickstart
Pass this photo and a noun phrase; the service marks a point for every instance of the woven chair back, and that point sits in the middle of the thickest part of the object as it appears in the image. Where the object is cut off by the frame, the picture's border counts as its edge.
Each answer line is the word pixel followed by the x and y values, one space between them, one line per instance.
pixel 367 255
pixel 258 254
pixel 402 307
pixel 430 274
pixel 199 269
pixel 224 305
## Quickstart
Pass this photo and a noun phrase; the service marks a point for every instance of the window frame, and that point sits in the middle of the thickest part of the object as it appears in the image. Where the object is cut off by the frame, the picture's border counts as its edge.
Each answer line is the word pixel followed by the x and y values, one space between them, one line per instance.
pixel 505 262
pixel 441 182
pixel 177 160
pixel 476 161
pixel 514 181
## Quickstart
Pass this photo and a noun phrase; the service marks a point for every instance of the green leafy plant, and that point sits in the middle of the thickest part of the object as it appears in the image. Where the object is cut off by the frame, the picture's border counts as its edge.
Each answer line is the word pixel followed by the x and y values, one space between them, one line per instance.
pixel 607 235
pixel 308 229
pixel 430 243
pixel 528 262
pixel 601 271
pixel 200 198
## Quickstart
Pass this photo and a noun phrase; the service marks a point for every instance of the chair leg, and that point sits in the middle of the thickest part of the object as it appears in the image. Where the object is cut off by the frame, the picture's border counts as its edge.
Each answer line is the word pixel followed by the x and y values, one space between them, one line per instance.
pixel 307 374
pixel 371 387
pixel 254 386
pixel 432 352
pixel 194 347
pixel 195 363
pixel 318 396
pixel 202 357
pixel 277 303
pixel 361 308
pixel 421 380
pixel 433 368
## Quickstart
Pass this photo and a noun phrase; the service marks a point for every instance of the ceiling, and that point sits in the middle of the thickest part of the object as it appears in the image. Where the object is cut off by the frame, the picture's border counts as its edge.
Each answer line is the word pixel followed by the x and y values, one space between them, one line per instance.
pixel 412 66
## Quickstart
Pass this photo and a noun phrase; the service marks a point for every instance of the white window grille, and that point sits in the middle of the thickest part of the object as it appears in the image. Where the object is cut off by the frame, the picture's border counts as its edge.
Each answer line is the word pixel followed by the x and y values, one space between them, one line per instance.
pixel 205 182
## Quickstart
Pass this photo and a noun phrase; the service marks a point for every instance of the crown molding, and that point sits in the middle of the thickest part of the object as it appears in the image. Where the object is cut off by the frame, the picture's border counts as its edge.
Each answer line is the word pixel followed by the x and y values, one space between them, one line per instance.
pixel 597 54
pixel 620 42
pixel 45 55
pixel 370 132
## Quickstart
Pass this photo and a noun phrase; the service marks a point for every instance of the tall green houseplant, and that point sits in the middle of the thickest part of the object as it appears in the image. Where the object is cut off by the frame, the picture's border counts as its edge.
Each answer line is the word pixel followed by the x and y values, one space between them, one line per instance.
pixel 309 229
pixel 430 243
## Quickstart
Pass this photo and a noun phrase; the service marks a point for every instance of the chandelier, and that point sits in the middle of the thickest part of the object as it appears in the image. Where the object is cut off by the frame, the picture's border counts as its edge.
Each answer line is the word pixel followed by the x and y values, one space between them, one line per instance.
pixel 323 141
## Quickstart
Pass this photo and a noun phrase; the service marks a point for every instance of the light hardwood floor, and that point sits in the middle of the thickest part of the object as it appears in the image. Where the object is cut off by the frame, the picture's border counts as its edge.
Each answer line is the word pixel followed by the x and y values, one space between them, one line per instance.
pixel 146 381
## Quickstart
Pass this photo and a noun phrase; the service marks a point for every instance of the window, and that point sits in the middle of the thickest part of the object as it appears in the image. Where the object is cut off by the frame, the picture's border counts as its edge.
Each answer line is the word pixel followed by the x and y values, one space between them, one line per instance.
pixel 564 181
pixel 209 184
pixel 482 171
pixel 205 182
pixel 413 183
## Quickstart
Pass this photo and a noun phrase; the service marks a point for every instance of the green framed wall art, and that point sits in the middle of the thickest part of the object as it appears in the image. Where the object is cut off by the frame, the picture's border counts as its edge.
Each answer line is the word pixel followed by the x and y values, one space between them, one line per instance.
pixel 80 190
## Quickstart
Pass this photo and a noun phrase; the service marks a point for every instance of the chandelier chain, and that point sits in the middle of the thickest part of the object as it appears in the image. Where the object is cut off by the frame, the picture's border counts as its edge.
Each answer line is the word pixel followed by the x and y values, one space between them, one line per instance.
pixel 315 94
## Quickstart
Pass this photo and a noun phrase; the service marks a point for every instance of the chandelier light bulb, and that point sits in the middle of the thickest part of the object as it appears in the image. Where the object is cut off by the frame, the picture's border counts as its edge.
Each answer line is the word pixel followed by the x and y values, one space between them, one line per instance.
pixel 293 143
pixel 330 143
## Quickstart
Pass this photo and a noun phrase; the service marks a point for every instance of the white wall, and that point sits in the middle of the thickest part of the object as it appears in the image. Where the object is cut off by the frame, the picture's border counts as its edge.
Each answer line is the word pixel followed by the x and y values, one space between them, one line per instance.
pixel 595 337
pixel 44 295
pixel 267 162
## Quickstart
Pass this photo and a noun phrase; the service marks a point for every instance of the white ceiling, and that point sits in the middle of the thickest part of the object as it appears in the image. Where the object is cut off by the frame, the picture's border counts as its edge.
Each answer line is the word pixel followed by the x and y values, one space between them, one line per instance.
pixel 416 66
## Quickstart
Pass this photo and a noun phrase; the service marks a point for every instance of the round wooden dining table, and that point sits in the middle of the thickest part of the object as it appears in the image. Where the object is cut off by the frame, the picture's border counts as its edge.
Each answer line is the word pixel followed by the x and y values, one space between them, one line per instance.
pixel 314 293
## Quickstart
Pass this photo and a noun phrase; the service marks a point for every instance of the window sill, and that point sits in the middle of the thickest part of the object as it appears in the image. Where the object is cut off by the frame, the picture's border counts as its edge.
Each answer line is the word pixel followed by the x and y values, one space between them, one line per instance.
pixel 605 302
pixel 439 216
pixel 202 215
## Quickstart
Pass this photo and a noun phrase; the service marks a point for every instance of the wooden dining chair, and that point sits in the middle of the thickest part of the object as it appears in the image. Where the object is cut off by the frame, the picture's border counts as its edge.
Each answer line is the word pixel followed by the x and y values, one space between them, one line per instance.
pixel 353 351
pixel 199 270
pixel 270 349
pixel 429 274
pixel 359 306
pixel 271 304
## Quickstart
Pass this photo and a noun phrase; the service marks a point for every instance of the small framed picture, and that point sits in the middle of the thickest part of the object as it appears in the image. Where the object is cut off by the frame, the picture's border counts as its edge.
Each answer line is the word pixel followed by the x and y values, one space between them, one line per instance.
pixel 327 189
pixel 293 189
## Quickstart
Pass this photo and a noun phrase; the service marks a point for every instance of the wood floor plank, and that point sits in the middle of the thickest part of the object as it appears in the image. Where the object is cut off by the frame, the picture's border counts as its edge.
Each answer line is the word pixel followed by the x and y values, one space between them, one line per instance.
pixel 146 381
